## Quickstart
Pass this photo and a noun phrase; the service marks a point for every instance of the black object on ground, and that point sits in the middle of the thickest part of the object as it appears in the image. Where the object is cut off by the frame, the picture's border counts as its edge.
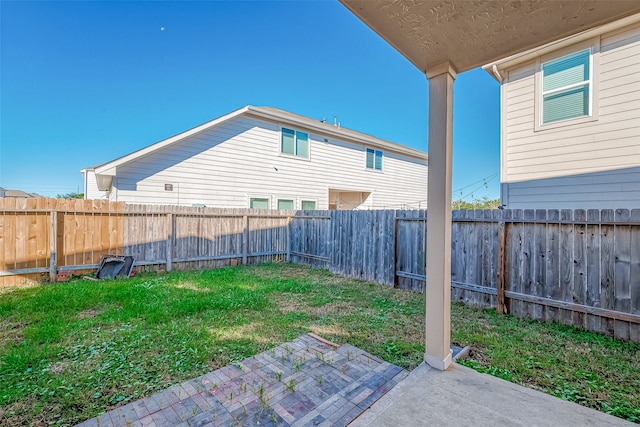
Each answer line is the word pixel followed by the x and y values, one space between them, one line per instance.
pixel 113 266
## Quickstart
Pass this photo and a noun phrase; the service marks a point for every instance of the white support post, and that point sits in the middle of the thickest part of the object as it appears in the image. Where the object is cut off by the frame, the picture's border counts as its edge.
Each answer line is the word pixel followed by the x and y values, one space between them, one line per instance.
pixel 438 287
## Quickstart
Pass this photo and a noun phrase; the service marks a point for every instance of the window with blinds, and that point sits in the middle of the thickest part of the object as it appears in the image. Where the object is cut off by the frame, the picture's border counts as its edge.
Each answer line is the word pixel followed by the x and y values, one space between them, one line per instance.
pixel 566 87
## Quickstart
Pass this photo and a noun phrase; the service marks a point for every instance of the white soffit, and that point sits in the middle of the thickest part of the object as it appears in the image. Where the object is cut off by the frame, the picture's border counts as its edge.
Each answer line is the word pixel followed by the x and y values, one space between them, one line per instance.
pixel 471 33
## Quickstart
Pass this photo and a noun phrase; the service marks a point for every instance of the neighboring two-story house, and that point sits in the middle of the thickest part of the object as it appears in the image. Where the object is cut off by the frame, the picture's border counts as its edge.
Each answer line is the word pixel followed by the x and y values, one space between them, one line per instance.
pixel 265 158
pixel 570 121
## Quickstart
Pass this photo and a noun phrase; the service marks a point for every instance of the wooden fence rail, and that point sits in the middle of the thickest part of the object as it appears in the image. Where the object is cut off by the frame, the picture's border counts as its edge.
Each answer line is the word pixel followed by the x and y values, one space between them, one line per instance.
pixel 577 267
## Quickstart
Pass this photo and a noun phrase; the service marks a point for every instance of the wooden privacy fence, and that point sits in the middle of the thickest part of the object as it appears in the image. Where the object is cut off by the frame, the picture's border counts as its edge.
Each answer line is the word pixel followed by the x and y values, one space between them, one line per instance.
pixel 577 267
pixel 41 237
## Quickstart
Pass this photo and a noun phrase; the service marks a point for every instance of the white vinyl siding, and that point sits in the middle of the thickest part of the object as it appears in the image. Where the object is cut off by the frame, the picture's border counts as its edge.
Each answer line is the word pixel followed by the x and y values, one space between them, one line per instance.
pixel 566 84
pixel 239 159
pixel 592 163
pixel 91 190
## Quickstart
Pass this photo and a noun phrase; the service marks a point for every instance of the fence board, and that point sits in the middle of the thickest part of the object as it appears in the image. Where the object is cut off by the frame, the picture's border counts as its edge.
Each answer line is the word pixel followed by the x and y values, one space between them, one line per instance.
pixel 622 272
pixel 552 282
pixel 592 297
pixel 566 263
pixel 528 268
pixel 579 294
pixel 634 286
pixel 607 259
pixel 515 264
pixel 539 263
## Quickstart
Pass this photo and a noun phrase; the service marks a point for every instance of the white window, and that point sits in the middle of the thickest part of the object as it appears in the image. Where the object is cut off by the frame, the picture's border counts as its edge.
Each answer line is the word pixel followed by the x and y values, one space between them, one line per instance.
pixel 258 203
pixel 567 87
pixel 308 205
pixel 294 142
pixel 374 159
pixel 285 204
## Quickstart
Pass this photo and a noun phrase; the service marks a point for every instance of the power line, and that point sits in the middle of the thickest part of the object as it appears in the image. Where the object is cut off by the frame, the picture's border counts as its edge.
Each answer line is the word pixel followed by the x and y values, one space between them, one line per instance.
pixel 483 180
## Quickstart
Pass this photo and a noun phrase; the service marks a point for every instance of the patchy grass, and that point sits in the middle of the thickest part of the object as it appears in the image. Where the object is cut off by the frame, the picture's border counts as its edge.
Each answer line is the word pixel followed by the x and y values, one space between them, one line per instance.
pixel 70 351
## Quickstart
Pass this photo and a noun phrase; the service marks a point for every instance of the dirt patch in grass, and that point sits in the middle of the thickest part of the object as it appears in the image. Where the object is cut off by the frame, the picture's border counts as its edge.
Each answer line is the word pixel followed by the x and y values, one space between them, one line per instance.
pixel 329 331
pixel 19 414
pixel 89 314
pixel 292 304
pixel 252 331
pixel 191 286
pixel 11 333
pixel 58 367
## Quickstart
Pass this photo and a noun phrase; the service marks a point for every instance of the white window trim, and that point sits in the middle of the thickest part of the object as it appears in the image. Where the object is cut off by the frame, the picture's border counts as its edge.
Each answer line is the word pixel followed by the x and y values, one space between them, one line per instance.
pixel 594 65
pixel 373 169
pixel 294 156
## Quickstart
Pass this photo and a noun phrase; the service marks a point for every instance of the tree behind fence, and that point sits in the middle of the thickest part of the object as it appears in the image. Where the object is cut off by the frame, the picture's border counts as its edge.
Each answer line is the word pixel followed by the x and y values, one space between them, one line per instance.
pixel 577 267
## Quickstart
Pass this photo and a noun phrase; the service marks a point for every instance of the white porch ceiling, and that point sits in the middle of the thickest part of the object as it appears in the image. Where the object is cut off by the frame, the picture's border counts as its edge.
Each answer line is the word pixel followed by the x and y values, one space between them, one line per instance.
pixel 471 33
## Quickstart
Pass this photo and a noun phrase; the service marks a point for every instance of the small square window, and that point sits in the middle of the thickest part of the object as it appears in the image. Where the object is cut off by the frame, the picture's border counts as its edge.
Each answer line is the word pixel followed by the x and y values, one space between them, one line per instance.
pixel 285 204
pixel 294 142
pixel 374 159
pixel 308 205
pixel 258 203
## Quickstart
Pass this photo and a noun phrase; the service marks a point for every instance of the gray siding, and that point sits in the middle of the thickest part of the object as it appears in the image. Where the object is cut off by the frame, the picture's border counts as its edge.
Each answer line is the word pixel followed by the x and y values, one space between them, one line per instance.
pixel 592 164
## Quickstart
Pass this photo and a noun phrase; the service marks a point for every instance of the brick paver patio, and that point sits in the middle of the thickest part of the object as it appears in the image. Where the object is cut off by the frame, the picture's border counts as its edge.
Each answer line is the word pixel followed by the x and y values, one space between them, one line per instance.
pixel 305 382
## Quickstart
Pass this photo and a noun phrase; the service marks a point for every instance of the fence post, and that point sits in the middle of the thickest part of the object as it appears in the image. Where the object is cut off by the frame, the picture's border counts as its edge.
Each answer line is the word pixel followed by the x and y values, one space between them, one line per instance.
pixel 53 247
pixel 169 249
pixel 501 304
pixel 288 239
pixel 395 249
pixel 245 239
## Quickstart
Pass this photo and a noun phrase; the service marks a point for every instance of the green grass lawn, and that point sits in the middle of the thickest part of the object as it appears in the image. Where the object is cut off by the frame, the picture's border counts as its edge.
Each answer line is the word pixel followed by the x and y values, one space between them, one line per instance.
pixel 72 350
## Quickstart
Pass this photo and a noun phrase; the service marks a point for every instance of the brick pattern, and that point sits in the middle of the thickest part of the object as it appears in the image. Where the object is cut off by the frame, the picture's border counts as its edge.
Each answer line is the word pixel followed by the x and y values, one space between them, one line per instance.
pixel 305 382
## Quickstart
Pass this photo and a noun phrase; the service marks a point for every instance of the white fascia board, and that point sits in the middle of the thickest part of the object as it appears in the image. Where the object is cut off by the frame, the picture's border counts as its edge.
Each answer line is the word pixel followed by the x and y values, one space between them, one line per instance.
pixel 518 58
pixel 345 134
pixel 109 168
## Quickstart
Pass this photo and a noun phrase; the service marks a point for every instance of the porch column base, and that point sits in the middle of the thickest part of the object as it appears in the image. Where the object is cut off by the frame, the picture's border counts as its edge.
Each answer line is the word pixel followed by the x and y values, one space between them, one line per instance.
pixel 438 363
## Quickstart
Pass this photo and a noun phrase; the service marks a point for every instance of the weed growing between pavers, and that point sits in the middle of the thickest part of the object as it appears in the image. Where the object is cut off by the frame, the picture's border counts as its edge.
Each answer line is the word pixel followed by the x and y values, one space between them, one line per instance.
pixel 69 351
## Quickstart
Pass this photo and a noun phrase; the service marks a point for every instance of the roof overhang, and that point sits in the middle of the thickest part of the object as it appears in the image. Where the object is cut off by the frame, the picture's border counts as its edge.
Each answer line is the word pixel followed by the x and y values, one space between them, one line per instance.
pixel 495 68
pixel 468 34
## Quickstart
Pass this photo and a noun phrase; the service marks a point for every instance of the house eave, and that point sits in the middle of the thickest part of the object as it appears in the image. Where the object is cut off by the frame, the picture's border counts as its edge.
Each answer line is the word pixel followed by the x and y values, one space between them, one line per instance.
pixel 531 54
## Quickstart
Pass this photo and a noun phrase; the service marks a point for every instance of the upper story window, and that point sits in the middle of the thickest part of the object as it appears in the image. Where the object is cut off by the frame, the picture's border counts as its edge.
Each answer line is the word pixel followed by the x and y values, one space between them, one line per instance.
pixel 567 87
pixel 374 159
pixel 295 143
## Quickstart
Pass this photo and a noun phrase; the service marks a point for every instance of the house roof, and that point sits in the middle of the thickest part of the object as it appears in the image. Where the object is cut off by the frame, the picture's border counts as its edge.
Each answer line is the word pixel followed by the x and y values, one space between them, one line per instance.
pixel 495 68
pixel 468 34
pixel 17 193
pixel 271 114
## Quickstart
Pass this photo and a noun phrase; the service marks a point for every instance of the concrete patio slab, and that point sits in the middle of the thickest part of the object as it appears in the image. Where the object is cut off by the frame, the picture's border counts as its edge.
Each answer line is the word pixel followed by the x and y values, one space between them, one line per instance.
pixel 305 382
pixel 462 396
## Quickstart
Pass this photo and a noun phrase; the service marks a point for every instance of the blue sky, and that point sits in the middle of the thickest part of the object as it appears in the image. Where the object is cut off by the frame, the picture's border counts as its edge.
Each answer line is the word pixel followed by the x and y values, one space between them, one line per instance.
pixel 85 82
